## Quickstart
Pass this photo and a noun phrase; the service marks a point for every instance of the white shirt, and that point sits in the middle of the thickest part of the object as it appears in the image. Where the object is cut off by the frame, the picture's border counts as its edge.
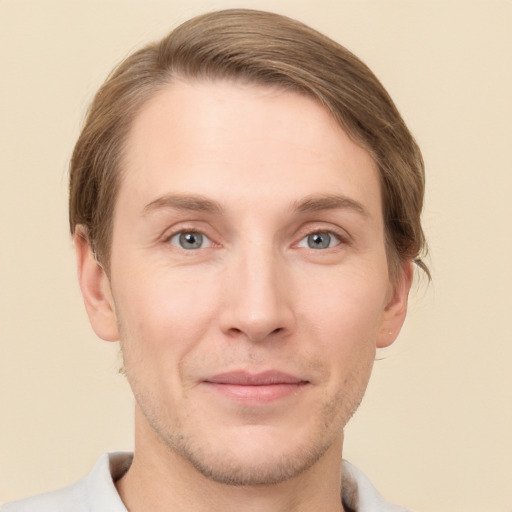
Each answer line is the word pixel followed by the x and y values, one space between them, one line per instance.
pixel 97 492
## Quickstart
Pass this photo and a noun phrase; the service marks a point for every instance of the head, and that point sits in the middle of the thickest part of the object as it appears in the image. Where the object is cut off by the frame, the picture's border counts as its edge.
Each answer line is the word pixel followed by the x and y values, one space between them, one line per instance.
pixel 245 201
pixel 260 48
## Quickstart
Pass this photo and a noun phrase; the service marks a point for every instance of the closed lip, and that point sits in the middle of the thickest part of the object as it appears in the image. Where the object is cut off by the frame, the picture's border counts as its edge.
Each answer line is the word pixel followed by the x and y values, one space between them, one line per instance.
pixel 245 378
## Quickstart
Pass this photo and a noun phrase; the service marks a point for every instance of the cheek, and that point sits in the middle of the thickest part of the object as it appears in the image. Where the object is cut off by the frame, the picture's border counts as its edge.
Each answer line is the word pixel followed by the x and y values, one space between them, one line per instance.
pixel 344 317
pixel 162 318
pixel 345 306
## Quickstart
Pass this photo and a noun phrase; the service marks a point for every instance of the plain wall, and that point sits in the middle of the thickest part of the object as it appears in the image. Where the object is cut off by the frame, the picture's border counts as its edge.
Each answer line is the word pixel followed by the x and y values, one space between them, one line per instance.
pixel 435 430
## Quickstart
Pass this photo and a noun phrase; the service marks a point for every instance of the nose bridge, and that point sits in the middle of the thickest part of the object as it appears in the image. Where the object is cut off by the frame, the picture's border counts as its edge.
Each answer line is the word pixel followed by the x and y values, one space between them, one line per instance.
pixel 258 303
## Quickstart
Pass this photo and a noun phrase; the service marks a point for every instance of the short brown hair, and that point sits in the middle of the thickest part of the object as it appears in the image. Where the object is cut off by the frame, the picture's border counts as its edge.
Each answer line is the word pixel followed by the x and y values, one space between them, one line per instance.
pixel 262 48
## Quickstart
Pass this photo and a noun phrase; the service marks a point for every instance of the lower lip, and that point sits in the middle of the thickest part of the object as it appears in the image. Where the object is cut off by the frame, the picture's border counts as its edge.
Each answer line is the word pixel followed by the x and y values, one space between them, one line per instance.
pixel 257 394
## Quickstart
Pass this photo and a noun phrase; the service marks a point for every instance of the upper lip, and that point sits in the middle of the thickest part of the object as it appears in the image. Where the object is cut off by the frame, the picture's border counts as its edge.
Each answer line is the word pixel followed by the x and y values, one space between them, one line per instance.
pixel 244 378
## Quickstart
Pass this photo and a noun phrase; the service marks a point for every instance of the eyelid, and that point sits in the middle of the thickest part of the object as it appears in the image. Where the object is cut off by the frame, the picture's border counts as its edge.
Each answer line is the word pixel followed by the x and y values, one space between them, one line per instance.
pixel 205 239
pixel 187 227
pixel 324 227
pixel 332 234
pixel 304 231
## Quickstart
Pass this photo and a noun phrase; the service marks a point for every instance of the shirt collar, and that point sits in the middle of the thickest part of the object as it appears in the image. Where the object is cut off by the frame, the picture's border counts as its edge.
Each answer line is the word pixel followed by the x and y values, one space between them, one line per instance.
pixel 359 495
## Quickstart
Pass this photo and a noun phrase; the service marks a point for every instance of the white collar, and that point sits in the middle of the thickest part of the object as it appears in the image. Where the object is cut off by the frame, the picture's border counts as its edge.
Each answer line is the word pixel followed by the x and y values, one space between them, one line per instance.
pixel 98 491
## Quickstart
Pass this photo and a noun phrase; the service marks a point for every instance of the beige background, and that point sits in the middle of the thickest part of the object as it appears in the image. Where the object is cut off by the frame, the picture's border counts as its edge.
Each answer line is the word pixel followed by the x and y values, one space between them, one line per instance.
pixel 435 431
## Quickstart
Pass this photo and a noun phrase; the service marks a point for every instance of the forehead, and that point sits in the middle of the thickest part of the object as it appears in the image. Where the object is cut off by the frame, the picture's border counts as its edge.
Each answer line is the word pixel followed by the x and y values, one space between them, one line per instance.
pixel 242 143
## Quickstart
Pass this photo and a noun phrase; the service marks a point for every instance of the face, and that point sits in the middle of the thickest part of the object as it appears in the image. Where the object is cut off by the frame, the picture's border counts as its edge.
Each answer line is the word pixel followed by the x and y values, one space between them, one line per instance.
pixel 249 281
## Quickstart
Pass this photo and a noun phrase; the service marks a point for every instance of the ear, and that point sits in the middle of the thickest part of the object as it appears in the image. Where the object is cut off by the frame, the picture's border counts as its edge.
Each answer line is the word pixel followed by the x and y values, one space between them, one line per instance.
pixel 396 309
pixel 95 287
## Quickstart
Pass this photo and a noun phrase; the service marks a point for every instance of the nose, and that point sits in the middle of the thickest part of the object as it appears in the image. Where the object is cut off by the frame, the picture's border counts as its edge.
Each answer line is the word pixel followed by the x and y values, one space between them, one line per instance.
pixel 258 296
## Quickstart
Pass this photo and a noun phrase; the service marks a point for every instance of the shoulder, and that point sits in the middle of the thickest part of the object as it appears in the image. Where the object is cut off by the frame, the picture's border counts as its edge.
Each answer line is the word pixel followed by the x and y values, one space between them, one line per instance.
pixel 94 493
pixel 70 499
pixel 360 495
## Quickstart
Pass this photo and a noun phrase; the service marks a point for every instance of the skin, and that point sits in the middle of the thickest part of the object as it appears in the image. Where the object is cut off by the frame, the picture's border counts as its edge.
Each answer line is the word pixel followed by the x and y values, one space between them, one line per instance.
pixel 261 174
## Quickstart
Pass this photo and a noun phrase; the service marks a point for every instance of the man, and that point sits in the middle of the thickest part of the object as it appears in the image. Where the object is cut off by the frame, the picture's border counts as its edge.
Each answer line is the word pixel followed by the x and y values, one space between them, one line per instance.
pixel 245 204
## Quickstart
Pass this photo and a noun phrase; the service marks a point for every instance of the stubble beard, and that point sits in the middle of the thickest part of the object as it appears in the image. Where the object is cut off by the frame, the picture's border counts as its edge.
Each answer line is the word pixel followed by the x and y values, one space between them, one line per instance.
pixel 221 464
pixel 224 466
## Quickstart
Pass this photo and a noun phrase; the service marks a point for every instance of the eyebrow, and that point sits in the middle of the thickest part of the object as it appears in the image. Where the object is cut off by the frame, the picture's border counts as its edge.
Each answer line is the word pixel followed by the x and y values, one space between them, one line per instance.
pixel 310 204
pixel 317 203
pixel 184 202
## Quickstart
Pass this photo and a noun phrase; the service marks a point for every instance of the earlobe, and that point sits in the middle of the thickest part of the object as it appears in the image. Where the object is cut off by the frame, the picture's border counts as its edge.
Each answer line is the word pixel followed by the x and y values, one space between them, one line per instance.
pixel 95 287
pixel 395 312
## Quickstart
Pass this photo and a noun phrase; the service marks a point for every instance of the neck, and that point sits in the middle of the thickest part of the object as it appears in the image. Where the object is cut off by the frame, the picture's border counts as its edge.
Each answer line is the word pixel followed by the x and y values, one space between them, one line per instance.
pixel 161 480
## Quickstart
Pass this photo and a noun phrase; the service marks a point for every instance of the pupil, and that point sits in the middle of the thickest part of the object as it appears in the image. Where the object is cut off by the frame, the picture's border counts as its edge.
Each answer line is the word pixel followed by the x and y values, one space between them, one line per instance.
pixel 191 240
pixel 319 241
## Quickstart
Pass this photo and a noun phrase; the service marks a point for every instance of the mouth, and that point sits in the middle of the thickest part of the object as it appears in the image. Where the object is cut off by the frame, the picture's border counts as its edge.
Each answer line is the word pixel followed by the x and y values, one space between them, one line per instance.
pixel 256 388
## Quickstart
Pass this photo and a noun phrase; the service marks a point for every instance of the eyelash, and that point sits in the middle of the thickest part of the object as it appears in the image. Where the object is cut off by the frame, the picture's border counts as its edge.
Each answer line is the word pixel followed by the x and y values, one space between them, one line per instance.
pixel 330 234
pixel 303 241
pixel 185 232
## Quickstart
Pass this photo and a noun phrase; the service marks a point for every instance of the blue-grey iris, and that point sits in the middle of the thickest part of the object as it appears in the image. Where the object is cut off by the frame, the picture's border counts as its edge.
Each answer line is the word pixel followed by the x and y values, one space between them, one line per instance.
pixel 319 241
pixel 191 240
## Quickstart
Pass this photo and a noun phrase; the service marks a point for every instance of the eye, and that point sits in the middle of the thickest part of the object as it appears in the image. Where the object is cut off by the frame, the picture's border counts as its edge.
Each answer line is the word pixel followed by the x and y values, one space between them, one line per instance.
pixel 190 240
pixel 319 240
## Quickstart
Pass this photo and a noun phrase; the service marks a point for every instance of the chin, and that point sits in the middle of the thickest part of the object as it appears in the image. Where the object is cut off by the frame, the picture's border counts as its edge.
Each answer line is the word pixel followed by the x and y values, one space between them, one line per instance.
pixel 241 467
pixel 253 457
